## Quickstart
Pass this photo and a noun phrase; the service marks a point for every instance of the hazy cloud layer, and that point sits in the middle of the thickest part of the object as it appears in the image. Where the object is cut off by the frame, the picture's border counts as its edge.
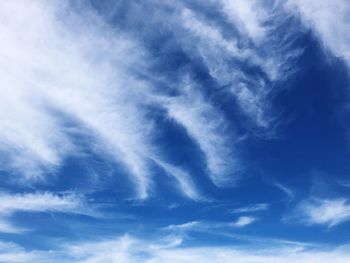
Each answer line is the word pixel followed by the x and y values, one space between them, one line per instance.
pixel 128 249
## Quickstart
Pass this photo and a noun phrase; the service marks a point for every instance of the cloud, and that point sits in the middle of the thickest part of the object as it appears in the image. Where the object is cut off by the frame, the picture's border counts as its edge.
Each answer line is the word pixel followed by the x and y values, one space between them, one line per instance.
pixel 243 221
pixel 226 58
pixel 211 226
pixel 42 88
pixel 329 212
pixel 218 55
pixel 251 208
pixel 69 76
pixel 226 55
pixel 287 191
pixel 29 138
pixel 66 78
pixel 206 125
pixel 194 225
pixel 13 253
pixel 52 71
pixel 183 179
pixel 127 249
pixel 330 23
pixel 39 203
pixel 247 15
pixel 42 202
pixel 7 227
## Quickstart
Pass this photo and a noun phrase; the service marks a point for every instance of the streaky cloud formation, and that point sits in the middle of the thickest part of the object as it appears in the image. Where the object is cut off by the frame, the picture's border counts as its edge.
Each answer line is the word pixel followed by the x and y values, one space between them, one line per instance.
pixel 6 226
pixel 251 208
pixel 248 16
pixel 170 131
pixel 206 126
pixel 221 54
pixel 330 21
pixel 184 181
pixel 243 221
pixel 42 202
pixel 211 226
pixel 328 212
pixel 129 249
pixel 88 88
pixel 91 94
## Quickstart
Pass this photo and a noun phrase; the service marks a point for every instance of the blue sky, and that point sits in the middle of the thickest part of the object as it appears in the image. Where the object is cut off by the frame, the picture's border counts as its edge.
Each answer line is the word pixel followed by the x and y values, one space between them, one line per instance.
pixel 175 131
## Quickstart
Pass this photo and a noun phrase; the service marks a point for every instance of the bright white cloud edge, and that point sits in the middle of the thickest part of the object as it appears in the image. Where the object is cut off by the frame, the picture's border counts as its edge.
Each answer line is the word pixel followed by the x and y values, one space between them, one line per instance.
pixel 128 249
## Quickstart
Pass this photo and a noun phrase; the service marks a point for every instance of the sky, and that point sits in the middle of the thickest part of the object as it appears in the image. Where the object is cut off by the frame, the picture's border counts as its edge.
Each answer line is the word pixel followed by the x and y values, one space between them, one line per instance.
pixel 175 131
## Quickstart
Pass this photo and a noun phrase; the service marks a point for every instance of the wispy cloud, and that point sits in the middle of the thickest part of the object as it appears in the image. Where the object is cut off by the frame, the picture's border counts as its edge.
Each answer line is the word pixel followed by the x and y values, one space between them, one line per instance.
pixel 251 208
pixel 243 221
pixel 76 83
pixel 39 203
pixel 68 74
pixel 329 212
pixel 329 21
pixel 218 54
pixel 6 226
pixel 211 226
pixel 189 226
pixel 207 127
pixel 128 249
pixel 221 53
pixel 42 202
pixel 248 16
pixel 183 179
pixel 287 191
pixel 43 91
pixel 12 253
pixel 41 86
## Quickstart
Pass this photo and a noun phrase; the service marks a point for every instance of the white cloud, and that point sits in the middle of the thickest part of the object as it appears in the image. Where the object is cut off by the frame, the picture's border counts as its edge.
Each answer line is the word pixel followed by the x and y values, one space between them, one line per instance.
pixel 251 208
pixel 48 67
pixel 330 22
pixel 183 179
pixel 287 191
pixel 28 136
pixel 328 212
pixel 203 39
pixel 14 253
pixel 247 15
pixel 194 225
pixel 206 125
pixel 66 75
pixel 42 202
pixel 7 227
pixel 223 255
pixel 218 51
pixel 86 252
pixel 243 221
pixel 39 202
pixel 55 68
pixel 127 249
pixel 211 226
pixel 252 103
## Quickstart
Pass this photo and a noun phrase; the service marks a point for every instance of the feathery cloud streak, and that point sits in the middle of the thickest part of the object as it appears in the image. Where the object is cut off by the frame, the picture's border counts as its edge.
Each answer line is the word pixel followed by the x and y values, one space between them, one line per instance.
pixel 330 22
pixel 39 203
pixel 66 78
pixel 328 212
